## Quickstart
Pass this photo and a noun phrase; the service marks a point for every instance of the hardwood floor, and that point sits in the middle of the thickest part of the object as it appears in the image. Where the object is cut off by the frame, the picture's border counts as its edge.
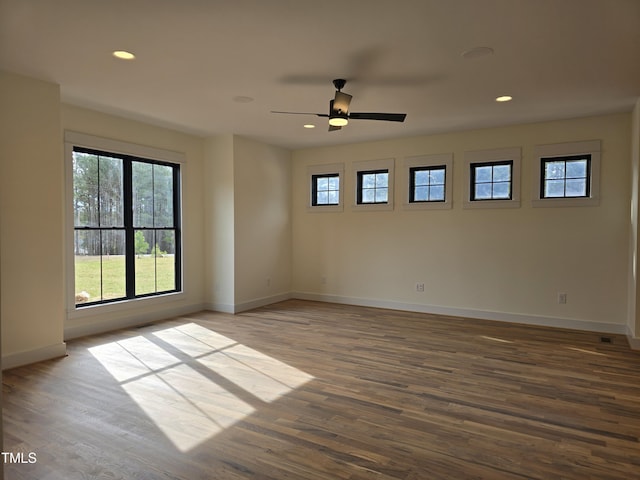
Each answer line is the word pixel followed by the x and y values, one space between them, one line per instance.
pixel 306 390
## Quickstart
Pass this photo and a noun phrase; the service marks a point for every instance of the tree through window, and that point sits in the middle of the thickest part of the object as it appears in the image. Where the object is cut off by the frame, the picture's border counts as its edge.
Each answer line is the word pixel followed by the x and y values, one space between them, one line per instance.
pixel 126 226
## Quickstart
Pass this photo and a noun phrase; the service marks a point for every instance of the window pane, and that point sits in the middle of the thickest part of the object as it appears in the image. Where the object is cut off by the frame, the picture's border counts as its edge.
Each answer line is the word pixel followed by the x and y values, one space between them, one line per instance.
pixel 502 173
pixel 87 251
pixel 368 195
pixel 164 254
pixel 421 194
pixel 145 266
pixel 483 174
pixel 322 198
pixel 436 193
pixel 111 187
pixel 382 180
pixel 437 177
pixel 554 188
pixel 382 195
pixel 554 170
pixel 421 177
pixel 482 191
pixel 501 190
pixel 85 190
pixel 334 197
pixel 576 188
pixel 577 169
pixel 368 180
pixel 99 265
pixel 334 183
pixel 162 196
pixel 142 179
pixel 114 276
pixel 322 183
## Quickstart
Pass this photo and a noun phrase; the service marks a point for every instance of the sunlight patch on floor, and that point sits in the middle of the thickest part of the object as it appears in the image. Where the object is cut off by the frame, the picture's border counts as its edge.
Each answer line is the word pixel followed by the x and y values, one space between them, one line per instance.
pixel 263 376
pixel 193 382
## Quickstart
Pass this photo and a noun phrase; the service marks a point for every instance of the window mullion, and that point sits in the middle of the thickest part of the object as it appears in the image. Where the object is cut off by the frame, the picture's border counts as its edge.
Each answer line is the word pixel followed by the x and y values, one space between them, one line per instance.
pixel 128 228
pixel 177 221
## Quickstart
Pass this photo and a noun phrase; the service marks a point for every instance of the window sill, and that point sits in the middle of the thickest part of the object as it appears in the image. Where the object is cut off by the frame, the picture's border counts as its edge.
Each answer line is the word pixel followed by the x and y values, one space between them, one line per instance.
pixel 565 202
pixel 124 305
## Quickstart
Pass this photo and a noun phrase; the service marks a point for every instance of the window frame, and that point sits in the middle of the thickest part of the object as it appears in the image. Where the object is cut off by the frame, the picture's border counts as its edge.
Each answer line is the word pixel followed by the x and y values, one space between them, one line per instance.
pixel 360 167
pixel 572 158
pixel 473 183
pixel 334 169
pixel 512 156
pixel 432 160
pixel 148 154
pixel 360 186
pixel 561 151
pixel 315 191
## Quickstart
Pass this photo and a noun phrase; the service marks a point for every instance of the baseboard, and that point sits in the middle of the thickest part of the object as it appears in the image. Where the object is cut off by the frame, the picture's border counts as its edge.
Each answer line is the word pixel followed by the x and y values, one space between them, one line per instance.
pixel 634 342
pixel 28 357
pixel 128 321
pixel 249 305
pixel 558 322
pixel 261 302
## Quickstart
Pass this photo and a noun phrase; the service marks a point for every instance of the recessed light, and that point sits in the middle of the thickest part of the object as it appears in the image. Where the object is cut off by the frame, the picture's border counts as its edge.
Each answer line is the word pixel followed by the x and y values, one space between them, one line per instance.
pixel 242 99
pixel 477 52
pixel 309 125
pixel 123 55
pixel 504 98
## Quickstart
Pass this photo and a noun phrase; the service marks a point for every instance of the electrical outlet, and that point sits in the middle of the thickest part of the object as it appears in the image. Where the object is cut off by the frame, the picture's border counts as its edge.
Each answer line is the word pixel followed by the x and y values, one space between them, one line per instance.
pixel 562 298
pixel 419 287
pixel 323 280
pixel 268 281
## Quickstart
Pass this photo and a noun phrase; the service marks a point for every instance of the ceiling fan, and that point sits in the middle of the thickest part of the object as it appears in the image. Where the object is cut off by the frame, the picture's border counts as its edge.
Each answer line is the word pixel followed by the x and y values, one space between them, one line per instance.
pixel 339 114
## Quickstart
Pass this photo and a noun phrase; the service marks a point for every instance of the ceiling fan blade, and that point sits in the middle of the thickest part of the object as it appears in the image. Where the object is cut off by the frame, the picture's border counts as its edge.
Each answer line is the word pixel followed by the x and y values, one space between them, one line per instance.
pixel 333 129
pixel 389 117
pixel 302 113
pixel 341 102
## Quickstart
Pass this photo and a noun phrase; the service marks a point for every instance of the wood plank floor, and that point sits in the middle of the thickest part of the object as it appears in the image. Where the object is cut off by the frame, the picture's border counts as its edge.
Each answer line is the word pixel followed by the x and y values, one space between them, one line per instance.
pixel 306 390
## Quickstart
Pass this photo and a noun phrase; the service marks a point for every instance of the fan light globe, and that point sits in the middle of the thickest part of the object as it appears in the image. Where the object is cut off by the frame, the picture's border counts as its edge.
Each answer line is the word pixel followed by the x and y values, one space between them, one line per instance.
pixel 338 121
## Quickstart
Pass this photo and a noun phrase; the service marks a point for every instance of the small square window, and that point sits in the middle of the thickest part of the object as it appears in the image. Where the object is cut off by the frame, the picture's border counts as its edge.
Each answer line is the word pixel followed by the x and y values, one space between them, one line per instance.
pixel 373 187
pixel 567 174
pixel 491 181
pixel 427 184
pixel 565 177
pixel 325 189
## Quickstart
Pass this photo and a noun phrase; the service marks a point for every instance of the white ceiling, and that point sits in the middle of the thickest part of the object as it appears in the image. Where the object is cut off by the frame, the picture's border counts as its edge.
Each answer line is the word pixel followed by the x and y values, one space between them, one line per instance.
pixel 557 58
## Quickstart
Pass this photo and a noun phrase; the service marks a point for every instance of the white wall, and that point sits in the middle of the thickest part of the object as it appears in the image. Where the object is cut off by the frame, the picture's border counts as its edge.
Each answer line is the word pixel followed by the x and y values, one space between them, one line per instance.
pixel 31 216
pixel 633 320
pixel 219 222
pixel 493 263
pixel 90 320
pixel 262 199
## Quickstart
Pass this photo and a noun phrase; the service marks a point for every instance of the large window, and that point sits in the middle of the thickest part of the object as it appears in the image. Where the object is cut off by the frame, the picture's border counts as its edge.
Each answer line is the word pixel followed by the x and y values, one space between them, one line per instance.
pixel 127 240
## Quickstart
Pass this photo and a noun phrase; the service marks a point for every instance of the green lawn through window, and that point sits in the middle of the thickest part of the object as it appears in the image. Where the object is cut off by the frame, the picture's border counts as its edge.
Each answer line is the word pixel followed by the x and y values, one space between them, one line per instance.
pixel 153 274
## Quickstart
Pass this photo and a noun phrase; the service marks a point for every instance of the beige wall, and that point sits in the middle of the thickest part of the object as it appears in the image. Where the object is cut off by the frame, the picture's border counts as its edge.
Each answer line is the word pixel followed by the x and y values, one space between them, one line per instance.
pixel 31 216
pixel 493 263
pixel 250 240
